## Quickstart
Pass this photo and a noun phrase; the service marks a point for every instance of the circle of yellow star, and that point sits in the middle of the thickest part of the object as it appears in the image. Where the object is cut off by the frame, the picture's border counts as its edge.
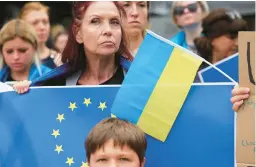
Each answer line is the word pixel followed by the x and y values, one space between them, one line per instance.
pixel 72 106
pixel 102 106
pixel 87 101
pixel 55 133
pixel 58 149
pixel 70 161
pixel 60 117
pixel 84 164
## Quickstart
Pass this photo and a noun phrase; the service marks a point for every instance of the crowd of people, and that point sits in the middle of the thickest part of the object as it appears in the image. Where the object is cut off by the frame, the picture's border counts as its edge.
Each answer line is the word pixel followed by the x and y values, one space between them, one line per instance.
pixel 99 48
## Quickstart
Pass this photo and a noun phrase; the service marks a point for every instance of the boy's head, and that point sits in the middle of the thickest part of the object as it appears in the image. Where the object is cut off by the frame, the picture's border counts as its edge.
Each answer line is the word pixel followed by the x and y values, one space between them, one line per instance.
pixel 114 142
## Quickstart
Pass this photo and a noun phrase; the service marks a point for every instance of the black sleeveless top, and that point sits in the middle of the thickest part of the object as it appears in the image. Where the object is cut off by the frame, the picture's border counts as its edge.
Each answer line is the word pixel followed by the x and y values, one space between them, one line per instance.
pixel 116 79
pixel 49 62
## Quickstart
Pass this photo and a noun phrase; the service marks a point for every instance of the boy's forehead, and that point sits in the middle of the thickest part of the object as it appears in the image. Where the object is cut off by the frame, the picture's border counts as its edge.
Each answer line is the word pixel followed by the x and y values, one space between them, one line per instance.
pixel 109 147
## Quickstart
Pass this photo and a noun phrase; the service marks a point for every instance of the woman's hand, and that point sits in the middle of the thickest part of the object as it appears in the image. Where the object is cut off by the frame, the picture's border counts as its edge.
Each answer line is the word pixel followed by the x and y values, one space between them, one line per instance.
pixel 239 94
pixel 21 87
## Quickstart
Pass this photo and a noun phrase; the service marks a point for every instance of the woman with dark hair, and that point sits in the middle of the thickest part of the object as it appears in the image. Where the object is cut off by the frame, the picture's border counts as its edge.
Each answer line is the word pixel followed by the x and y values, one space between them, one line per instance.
pixel 220 30
pixel 220 40
pixel 96 51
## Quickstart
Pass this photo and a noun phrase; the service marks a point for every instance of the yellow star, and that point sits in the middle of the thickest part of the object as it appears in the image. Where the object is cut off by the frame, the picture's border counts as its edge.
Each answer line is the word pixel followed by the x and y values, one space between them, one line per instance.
pixel 84 164
pixel 72 106
pixel 113 116
pixel 60 117
pixel 102 106
pixel 70 161
pixel 87 101
pixel 55 133
pixel 58 149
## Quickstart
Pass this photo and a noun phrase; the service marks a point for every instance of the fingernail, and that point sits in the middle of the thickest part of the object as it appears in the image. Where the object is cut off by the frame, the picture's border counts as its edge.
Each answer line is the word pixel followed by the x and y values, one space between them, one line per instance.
pixel 247 90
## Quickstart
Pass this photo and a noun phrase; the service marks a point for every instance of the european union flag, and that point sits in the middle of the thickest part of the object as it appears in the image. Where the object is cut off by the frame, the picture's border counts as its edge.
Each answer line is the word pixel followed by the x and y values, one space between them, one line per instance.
pixel 48 127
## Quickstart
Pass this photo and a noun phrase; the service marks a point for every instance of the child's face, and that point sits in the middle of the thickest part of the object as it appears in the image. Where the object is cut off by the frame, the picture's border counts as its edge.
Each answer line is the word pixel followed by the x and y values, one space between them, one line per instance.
pixel 110 156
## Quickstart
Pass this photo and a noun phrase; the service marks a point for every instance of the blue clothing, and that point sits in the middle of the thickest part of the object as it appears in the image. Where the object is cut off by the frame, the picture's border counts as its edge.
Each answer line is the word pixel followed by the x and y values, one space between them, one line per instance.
pixel 58 76
pixel 48 62
pixel 33 73
pixel 180 39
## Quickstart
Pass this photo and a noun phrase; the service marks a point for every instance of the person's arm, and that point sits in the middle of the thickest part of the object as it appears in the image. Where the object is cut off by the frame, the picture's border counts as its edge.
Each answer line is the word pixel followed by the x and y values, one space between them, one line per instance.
pixel 239 94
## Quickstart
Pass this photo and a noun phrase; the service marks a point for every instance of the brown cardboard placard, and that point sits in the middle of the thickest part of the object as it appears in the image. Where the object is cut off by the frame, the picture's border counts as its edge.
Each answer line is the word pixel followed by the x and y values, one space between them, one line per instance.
pixel 245 165
pixel 245 123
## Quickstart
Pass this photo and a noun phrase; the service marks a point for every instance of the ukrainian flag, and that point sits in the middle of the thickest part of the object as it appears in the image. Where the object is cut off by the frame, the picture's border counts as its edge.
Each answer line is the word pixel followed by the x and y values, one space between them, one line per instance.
pixel 156 85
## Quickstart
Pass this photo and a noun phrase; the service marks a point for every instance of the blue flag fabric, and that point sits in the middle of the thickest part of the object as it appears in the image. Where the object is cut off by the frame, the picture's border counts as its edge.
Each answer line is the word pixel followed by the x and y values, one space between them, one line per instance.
pixel 203 133
pixel 228 65
pixel 27 123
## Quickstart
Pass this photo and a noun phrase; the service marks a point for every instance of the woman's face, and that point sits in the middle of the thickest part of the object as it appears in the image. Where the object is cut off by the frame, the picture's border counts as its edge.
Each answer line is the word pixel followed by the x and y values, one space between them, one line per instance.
pixel 18 54
pixel 100 31
pixel 224 46
pixel 188 13
pixel 40 21
pixel 60 42
pixel 137 16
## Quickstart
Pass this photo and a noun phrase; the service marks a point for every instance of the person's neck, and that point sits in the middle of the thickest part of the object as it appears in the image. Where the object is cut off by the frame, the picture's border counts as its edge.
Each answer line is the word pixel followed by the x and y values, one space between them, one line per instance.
pixel 215 57
pixel 135 41
pixel 20 76
pixel 98 70
pixel 192 32
pixel 44 51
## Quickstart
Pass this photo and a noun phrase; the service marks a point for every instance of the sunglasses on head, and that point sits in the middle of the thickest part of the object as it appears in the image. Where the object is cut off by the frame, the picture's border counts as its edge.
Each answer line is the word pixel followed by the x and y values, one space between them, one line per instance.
pixel 179 10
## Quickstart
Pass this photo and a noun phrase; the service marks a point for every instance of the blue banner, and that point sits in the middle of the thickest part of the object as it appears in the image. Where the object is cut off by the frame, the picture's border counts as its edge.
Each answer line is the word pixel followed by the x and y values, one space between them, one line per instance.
pixel 47 126
pixel 228 65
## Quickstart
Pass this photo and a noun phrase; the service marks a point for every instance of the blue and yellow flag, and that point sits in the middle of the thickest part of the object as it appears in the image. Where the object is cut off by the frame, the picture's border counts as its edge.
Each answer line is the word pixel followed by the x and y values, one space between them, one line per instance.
pixel 157 85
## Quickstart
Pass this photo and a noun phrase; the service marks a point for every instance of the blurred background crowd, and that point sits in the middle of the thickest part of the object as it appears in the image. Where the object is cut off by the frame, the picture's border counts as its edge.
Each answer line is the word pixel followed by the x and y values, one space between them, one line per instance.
pixel 159 11
pixel 209 29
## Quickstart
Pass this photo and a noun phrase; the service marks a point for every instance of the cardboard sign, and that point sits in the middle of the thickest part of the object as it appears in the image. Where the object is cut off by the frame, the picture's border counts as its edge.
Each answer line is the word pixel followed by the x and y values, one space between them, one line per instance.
pixel 245 130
